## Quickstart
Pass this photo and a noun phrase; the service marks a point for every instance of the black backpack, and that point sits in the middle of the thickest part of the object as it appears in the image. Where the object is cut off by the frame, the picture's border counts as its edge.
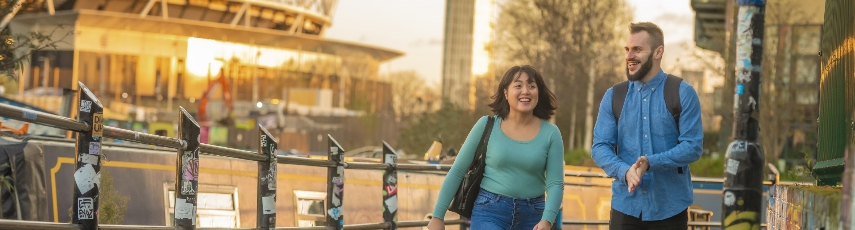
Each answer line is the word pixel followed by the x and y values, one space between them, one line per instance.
pixel 672 101
pixel 672 98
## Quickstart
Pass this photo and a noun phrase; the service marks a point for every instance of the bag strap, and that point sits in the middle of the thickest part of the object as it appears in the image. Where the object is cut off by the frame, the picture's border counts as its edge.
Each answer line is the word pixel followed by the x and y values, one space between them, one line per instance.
pixel 481 151
pixel 618 97
pixel 672 98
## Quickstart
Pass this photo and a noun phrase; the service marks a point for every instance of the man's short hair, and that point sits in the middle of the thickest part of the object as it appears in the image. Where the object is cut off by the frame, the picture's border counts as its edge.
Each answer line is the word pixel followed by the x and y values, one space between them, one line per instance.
pixel 652 29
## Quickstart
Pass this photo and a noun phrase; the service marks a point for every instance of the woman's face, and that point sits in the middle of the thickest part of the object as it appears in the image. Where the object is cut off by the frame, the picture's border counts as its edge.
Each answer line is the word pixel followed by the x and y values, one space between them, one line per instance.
pixel 522 94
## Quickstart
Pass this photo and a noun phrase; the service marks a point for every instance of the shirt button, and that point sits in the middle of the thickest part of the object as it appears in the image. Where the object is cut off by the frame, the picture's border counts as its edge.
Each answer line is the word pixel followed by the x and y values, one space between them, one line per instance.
pixel 645 136
pixel 645 99
pixel 645 118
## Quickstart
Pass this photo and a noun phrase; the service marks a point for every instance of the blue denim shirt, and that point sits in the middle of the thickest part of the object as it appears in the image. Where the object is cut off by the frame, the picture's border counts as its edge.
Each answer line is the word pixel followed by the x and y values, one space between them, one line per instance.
pixel 646 128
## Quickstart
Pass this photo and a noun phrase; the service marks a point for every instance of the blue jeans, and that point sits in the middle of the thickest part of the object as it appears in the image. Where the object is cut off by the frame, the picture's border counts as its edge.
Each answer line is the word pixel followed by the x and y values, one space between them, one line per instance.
pixel 497 212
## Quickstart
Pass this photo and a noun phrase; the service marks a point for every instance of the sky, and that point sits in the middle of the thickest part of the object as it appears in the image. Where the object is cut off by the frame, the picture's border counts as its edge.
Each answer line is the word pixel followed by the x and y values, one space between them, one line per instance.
pixel 416 29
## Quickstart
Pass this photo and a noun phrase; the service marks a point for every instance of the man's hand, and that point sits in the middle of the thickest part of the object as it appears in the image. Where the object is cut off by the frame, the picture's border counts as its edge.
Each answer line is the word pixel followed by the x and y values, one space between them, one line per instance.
pixel 639 168
pixel 632 178
pixel 543 225
pixel 436 224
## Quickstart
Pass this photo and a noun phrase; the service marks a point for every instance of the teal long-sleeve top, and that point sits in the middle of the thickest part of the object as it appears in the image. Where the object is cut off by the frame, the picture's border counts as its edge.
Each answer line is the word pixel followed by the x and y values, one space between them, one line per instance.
pixel 518 169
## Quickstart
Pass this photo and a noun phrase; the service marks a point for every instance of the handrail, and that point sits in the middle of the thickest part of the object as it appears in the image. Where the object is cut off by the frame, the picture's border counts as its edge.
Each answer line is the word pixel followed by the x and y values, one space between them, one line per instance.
pixel 87 148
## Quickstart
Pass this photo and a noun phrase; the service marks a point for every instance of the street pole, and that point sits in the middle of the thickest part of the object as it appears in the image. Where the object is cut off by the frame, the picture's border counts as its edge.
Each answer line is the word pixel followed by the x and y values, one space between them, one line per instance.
pixel 743 184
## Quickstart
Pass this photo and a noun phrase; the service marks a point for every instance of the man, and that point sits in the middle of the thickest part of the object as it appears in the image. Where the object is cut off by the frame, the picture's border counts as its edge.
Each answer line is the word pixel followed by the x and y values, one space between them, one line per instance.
pixel 644 147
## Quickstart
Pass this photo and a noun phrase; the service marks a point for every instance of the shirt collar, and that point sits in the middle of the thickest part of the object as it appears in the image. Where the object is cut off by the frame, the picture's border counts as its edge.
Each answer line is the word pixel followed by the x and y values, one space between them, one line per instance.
pixel 655 82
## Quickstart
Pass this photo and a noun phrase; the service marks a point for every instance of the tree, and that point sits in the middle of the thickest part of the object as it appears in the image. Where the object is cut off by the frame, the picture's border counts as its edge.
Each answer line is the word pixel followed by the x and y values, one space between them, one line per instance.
pixel 451 123
pixel 568 42
pixel 411 95
pixel 23 44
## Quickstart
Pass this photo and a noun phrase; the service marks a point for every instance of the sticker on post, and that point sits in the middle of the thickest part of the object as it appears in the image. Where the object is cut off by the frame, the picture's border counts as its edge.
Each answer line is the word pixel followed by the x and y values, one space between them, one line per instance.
pixel 94 148
pixel 334 151
pixel 85 177
pixel 335 213
pixel 268 204
pixel 732 166
pixel 729 198
pixel 88 159
pixel 392 204
pixel 263 140
pixel 97 127
pixel 85 208
pixel 85 106
pixel 184 209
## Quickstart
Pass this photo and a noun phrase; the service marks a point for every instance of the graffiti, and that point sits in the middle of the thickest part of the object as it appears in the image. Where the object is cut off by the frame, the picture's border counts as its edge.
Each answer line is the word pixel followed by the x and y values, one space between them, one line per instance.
pixel 187 188
pixel 86 178
pixel 263 140
pixel 392 179
pixel 85 106
pixel 271 177
pixel 745 220
pixel 391 190
pixel 732 166
pixel 190 167
pixel 335 213
pixel 85 208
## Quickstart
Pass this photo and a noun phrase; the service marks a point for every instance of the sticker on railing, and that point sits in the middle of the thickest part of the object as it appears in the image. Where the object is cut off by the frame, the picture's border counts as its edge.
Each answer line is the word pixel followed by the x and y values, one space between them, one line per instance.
pixel 94 148
pixel 271 177
pixel 86 178
pixel 263 140
pixel 30 115
pixel 732 166
pixel 268 203
pixel 85 208
pixel 334 150
pixel 85 106
pixel 336 201
pixel 187 188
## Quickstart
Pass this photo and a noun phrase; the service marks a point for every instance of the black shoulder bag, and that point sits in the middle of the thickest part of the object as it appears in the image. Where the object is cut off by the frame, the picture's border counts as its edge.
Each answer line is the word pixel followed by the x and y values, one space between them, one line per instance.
pixel 464 199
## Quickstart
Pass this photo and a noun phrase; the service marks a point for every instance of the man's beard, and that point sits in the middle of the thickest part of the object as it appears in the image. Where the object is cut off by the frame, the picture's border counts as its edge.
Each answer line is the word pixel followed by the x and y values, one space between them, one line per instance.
pixel 645 68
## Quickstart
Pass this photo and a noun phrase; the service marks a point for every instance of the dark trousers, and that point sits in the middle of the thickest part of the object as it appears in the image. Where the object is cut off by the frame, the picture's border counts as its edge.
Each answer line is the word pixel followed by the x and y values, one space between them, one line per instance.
pixel 620 221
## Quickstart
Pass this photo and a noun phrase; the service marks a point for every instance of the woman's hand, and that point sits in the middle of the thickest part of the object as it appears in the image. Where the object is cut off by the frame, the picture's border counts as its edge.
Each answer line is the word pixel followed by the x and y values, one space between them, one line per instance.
pixel 543 225
pixel 436 224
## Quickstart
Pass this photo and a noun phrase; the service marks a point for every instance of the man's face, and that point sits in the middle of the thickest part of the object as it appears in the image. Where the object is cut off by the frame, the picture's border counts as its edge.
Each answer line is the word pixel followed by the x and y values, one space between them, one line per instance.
pixel 639 56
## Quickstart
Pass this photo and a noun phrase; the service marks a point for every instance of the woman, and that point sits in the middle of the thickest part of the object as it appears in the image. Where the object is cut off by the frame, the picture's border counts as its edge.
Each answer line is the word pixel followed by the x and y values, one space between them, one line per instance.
pixel 525 158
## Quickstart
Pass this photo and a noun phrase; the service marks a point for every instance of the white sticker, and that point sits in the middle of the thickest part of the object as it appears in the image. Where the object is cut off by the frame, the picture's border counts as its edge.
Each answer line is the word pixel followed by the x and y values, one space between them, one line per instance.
pixel 268 203
pixel 392 204
pixel 85 177
pixel 334 150
pixel 184 210
pixel 85 106
pixel 263 140
pixel 340 171
pixel 729 198
pixel 336 201
pixel 390 159
pixel 85 208
pixel 732 166
pixel 89 159
pixel 94 148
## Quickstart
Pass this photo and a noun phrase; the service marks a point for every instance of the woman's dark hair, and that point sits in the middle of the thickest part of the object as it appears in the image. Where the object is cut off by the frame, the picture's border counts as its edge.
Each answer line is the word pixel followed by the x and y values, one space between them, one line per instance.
pixel 545 107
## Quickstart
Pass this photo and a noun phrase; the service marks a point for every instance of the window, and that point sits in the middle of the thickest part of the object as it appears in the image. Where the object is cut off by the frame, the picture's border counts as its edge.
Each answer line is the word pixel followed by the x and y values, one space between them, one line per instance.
pixel 310 208
pixel 216 206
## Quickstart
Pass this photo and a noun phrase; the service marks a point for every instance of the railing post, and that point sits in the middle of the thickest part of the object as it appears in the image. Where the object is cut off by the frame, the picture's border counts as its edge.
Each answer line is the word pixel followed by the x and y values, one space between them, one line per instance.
pixel 187 172
pixel 335 186
pixel 743 183
pixel 266 204
pixel 87 176
pixel 390 187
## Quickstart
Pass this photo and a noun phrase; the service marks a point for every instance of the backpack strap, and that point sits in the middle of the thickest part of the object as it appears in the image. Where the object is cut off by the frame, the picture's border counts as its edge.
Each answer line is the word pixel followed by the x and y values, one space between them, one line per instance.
pixel 672 98
pixel 618 97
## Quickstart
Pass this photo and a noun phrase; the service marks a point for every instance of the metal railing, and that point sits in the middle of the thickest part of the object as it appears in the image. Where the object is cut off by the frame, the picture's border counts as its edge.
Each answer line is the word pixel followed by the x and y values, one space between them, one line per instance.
pixel 91 132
